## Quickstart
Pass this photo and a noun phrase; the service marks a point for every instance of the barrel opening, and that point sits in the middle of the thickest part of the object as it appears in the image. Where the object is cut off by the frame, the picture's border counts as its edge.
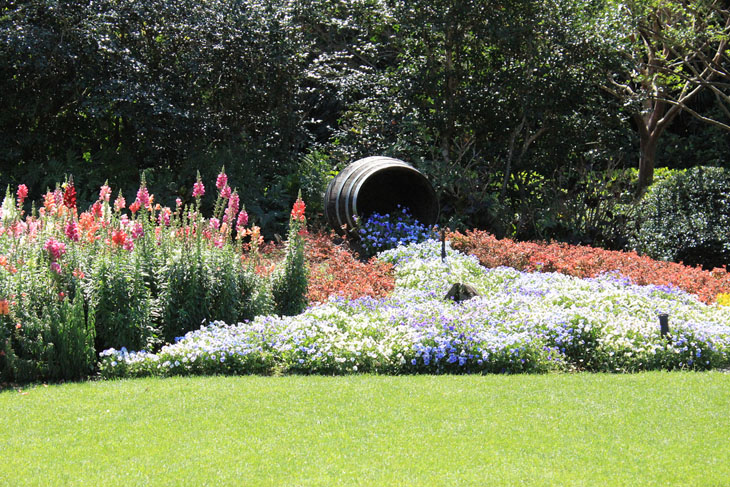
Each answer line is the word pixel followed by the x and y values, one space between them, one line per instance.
pixel 385 190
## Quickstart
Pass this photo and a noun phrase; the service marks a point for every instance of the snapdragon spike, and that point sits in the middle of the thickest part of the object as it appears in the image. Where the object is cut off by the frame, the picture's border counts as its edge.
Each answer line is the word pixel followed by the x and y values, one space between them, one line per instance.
pixel 69 195
pixel 297 211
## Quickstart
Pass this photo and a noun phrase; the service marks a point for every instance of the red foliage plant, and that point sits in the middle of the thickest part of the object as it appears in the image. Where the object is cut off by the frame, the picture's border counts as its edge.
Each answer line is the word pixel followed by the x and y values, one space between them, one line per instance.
pixel 584 261
pixel 335 271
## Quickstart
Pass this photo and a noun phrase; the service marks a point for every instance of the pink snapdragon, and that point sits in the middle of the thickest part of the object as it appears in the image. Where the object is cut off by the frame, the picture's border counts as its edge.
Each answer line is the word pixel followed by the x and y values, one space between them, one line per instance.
pixel 221 181
pixel 226 192
pixel 242 220
pixel 232 209
pixel 22 194
pixel 164 216
pixel 215 223
pixel 105 193
pixel 119 203
pixel 96 209
pixel 55 248
pixel 143 196
pixel 137 230
pixel 198 189
pixel 72 231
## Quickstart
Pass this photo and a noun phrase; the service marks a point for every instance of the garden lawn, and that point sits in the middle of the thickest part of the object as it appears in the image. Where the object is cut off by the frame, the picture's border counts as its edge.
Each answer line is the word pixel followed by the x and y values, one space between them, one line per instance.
pixel 655 428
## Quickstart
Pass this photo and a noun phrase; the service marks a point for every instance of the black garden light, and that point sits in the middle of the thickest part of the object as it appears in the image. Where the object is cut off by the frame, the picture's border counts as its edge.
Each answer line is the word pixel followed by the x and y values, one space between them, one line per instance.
pixel 664 324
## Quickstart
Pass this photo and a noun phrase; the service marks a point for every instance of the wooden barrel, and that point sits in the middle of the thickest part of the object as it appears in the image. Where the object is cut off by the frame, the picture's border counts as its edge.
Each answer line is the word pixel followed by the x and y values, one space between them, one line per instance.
pixel 378 185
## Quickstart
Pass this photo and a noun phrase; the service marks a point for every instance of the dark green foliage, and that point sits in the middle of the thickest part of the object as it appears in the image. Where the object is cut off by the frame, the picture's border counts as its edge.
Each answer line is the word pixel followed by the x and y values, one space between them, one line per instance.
pixel 107 89
pixel 597 208
pixel 686 217
pixel 499 105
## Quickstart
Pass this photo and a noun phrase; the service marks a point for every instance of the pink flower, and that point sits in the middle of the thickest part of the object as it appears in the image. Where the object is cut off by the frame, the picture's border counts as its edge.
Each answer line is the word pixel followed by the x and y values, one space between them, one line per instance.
pixel 198 189
pixel 232 209
pixel 22 193
pixel 242 220
pixel 143 196
pixel 96 209
pixel 221 181
pixel 55 267
pixel 164 216
pixel 215 223
pixel 119 203
pixel 104 193
pixel 55 248
pixel 18 228
pixel 137 230
pixel 226 192
pixel 72 231
pixel 178 202
pixel 134 207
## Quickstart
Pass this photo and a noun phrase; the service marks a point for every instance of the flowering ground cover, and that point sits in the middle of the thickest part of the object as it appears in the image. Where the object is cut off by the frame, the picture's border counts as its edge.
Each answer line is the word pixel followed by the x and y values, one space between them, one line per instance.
pixel 585 261
pixel 522 322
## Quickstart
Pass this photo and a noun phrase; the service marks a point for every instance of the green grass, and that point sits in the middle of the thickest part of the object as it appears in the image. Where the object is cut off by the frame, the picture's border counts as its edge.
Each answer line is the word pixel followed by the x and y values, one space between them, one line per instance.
pixel 580 429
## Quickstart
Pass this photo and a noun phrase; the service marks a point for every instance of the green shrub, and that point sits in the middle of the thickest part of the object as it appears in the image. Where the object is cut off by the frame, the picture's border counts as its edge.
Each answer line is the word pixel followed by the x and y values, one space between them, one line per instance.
pixel 123 303
pixel 686 217
pixel 289 283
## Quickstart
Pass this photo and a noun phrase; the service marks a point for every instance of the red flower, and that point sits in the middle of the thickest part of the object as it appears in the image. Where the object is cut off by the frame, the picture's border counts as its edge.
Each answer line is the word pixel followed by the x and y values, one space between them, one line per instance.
pixel 69 195
pixel 297 211
pixel 134 207
pixel 119 237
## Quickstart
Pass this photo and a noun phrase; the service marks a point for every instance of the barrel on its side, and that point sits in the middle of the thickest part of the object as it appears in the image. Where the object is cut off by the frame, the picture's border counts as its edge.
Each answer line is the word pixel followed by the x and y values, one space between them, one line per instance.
pixel 378 184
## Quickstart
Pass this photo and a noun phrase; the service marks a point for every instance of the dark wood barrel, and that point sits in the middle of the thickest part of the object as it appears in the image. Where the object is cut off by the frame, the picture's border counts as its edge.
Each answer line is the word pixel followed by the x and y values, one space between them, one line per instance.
pixel 378 184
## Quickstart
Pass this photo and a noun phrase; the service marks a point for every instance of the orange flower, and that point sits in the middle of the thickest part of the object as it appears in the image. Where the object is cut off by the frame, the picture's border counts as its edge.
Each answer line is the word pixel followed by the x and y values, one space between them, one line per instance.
pixel 297 211
pixel 4 307
pixel 119 237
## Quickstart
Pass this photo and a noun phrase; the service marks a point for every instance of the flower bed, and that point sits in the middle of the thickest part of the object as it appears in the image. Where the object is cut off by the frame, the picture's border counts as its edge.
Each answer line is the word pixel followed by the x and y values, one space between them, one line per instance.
pixel 73 282
pixel 522 322
pixel 584 261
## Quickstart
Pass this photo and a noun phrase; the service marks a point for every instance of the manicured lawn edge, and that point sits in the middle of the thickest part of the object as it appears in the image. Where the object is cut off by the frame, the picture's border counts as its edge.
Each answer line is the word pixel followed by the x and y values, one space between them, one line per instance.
pixel 655 428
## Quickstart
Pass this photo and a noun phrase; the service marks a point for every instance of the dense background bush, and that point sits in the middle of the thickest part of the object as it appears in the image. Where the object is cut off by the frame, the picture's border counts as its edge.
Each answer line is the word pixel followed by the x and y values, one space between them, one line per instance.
pixel 686 217
pixel 507 110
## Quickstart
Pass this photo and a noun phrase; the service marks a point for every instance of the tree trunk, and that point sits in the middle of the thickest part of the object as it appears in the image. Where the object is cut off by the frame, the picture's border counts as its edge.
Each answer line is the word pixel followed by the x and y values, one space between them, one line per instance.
pixel 647 154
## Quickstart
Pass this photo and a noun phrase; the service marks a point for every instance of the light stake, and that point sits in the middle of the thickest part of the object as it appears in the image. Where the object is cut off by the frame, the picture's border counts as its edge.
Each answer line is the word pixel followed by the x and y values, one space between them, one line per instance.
pixel 443 245
pixel 664 324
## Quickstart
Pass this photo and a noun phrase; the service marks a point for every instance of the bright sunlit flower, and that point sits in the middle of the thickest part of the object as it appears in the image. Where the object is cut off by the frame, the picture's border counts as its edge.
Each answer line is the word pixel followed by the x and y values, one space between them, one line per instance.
pixel 221 181
pixel 105 193
pixel 22 193
pixel 297 211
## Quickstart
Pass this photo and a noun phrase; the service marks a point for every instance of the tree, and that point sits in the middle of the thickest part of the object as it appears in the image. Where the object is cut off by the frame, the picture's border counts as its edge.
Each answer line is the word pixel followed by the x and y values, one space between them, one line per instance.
pixel 672 50
pixel 491 100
